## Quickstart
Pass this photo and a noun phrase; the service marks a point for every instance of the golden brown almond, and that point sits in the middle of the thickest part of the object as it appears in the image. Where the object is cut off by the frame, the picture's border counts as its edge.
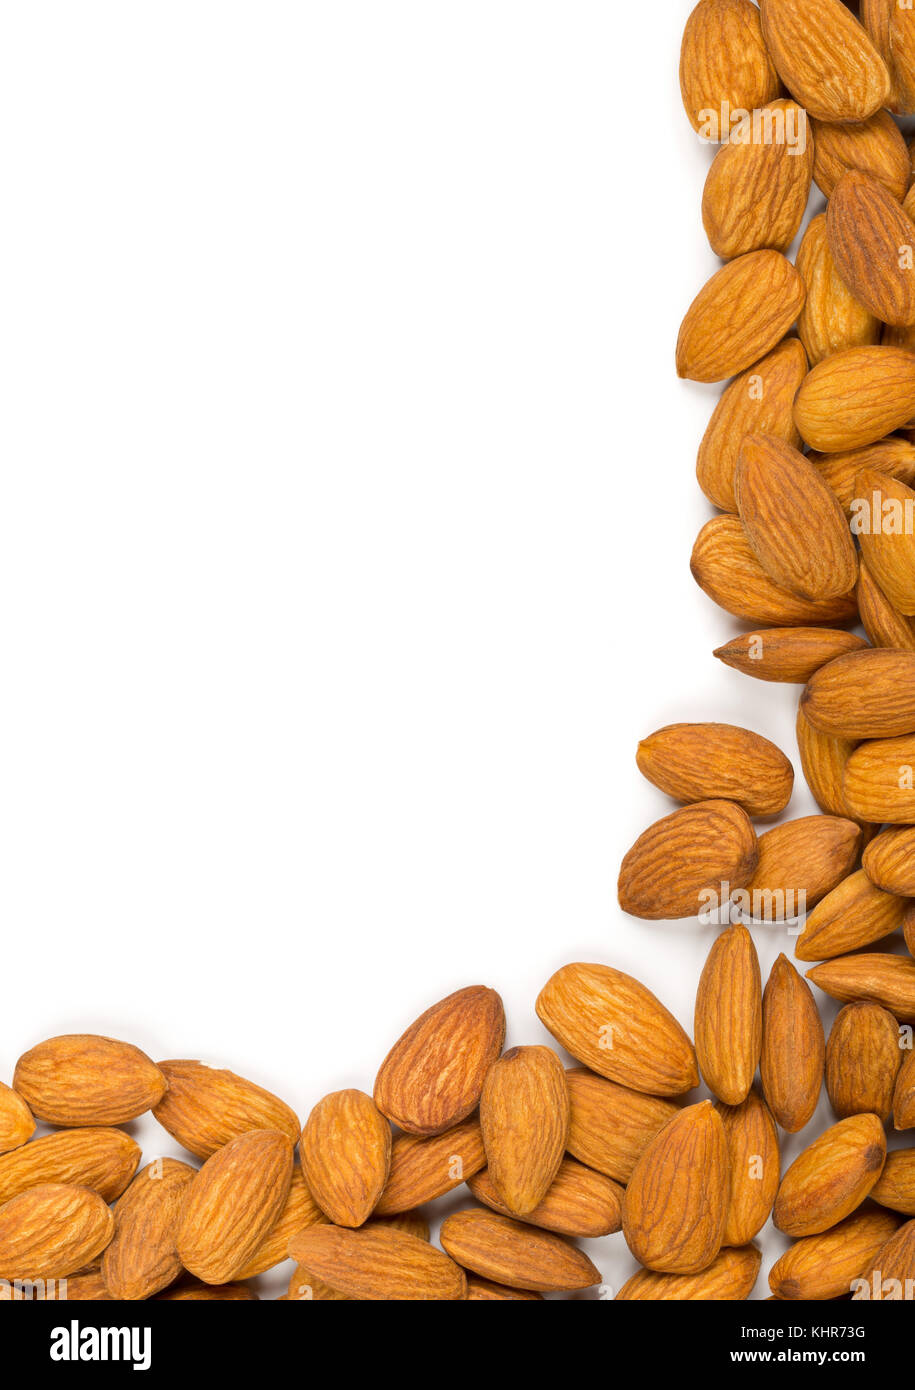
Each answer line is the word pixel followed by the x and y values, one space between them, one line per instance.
pixel 895 457
pixel 728 1027
pixel 724 65
pixel 868 694
pixel 758 401
pixel 874 977
pixel 81 1079
pixel 305 1287
pixel 863 1058
pixel 823 760
pixel 891 1278
pixel 104 1160
pixel 433 1076
pixel 889 24
pixel 724 566
pixel 852 916
pixel 77 1288
pixel 485 1291
pixel 233 1203
pixel 728 1279
pixel 800 862
pixel 793 1048
pixel 51 1231
pixel 611 1125
pixel 205 1107
pixel 378 1263
pixel 832 319
pixel 300 1212
pixel 676 1204
pixel 753 1160
pixel 757 188
pixel 346 1156
pixel 424 1169
pixel 509 1252
pixel 794 522
pixel 879 781
pixel 16 1123
pixel 904 1096
pixel 872 240
pixel 876 146
pixel 889 861
pixel 822 1267
pixel 832 1177
pixel 788 655
pixel 856 397
pixel 908 930
pixel 896 1186
pixel 524 1116
pixel 579 1203
pixel 825 59
pixel 883 516
pixel 880 620
pixel 617 1027
pixel 415 1223
pixel 740 315
pixel 676 863
pixel 194 1292
pixel 142 1258
pixel 706 762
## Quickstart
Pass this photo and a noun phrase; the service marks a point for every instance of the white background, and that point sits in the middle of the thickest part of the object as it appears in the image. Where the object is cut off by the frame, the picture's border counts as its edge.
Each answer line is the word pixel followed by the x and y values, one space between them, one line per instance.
pixel 347 508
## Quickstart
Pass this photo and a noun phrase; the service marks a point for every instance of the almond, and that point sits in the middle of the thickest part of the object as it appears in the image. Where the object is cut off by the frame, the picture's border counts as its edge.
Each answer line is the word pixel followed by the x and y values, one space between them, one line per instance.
pixel 16 1123
pixel 511 1253
pixel 889 24
pixel 346 1156
pixel 889 861
pixel 883 624
pixel 194 1292
pixel 876 146
pixel 51 1231
pixel 832 318
pixel 753 1160
pixel 485 1291
pixel 524 1115
pixel 233 1202
pixel 730 1279
pixel 205 1107
pixel 872 240
pixel 832 1177
pixel 788 655
pixel 868 694
pixel 825 59
pixel 676 1204
pixel 724 566
pixel 729 1016
pixel 886 525
pixel 740 315
pixel 854 915
pixel 142 1258
pixel 875 978
pixel 611 1126
pixel 758 401
pixel 615 1025
pixel 378 1263
pixel 300 1212
pixel 808 857
pixel 578 1203
pixel 704 762
pixel 879 781
pixel 793 1048
pixel 724 63
pixel 904 1097
pixel 895 457
pixel 891 1278
pixel 863 1058
pixel 757 188
pixel 824 1267
pixel 856 397
pixel 104 1160
pixel 896 1186
pixel 80 1079
pixel 824 760
pixel 679 860
pixel 423 1169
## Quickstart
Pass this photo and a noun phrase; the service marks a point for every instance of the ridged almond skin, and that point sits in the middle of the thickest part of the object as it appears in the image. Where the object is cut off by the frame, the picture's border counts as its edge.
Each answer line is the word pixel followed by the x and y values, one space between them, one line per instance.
pixel 868 694
pixel 832 1177
pixel 823 760
pixel 889 861
pixel 51 1231
pixel 205 1107
pixel 892 1275
pixel 524 1116
pixel 433 1076
pixel 823 1267
pixel 142 1258
pixel 378 1263
pixel 852 916
pixel 889 24
pixel 856 397
pixel 758 401
pixel 753 1162
pixel 579 1203
pixel 894 457
pixel 788 656
pixel 904 1096
pixel 889 553
pixel 793 1048
pixel 810 855
pixel 195 1292
pixel 729 1279
pixel 424 1169
pixel 825 58
pixel 744 310
pixel 725 567
pixel 615 1025
pixel 82 1079
pixel 876 146
pixel 883 624
pixel 724 60
pixel 878 782
pixel 728 1025
pixel 873 977
pixel 757 188
pixel 794 522
pixel 676 1203
pixel 678 860
pixel 707 762
pixel 234 1201
pixel 831 319
pixel 863 1058
pixel 612 1125
pixel 300 1212
pixel 521 1256
pixel 895 1188
pixel 102 1159
pixel 346 1156
pixel 485 1291
pixel 16 1122
pixel 868 233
